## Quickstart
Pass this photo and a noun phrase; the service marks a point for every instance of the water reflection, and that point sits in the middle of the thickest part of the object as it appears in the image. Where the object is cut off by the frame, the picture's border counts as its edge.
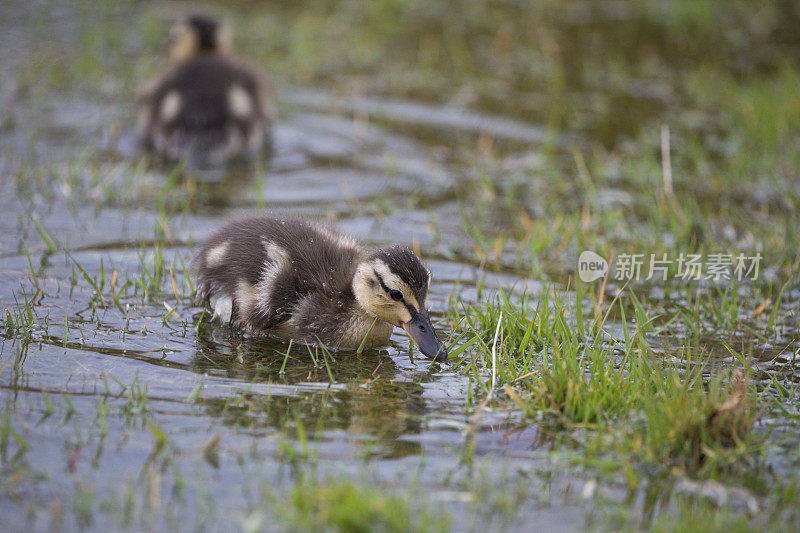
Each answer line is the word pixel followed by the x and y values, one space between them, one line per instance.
pixel 365 395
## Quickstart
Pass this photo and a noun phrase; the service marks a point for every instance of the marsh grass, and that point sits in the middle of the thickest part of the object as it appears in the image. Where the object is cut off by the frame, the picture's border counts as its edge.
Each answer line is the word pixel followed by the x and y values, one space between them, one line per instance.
pixel 347 506
pixel 605 375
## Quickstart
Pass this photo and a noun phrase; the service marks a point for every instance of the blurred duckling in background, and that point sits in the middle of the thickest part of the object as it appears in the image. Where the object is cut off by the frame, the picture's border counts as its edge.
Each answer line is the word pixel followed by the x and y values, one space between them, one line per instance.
pixel 302 280
pixel 206 105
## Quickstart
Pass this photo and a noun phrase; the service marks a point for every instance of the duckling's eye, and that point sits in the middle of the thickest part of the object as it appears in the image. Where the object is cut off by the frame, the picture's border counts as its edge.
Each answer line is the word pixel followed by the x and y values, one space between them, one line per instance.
pixel 395 295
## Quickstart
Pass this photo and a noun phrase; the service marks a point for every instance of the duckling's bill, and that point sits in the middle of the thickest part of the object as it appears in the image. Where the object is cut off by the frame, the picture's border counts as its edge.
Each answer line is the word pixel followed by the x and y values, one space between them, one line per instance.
pixel 420 329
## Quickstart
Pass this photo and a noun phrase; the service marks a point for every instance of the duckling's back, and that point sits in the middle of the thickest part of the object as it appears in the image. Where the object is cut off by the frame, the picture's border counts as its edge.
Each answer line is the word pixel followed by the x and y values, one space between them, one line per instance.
pixel 261 273
pixel 208 109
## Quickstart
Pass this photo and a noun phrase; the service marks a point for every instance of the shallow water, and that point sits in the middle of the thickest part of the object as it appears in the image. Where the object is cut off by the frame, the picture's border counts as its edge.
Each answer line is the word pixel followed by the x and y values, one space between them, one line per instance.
pixel 117 404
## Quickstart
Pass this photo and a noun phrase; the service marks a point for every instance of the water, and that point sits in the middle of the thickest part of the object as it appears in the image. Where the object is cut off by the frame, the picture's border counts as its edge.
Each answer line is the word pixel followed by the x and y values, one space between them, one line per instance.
pixel 131 415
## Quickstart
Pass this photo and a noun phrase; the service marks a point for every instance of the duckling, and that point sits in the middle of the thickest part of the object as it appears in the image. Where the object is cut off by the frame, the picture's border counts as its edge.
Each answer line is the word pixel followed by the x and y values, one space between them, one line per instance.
pixel 206 104
pixel 301 279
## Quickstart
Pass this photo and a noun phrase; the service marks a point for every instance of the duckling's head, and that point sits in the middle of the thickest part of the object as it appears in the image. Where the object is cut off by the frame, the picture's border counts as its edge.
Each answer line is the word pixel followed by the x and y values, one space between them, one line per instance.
pixel 198 35
pixel 392 284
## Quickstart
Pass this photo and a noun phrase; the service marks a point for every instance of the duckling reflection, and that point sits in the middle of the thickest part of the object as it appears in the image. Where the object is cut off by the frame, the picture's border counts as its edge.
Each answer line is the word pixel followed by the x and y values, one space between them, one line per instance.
pixel 206 105
pixel 367 400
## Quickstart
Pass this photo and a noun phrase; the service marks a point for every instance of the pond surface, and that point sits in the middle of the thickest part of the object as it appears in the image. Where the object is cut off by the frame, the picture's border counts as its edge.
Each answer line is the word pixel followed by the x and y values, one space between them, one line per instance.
pixel 124 408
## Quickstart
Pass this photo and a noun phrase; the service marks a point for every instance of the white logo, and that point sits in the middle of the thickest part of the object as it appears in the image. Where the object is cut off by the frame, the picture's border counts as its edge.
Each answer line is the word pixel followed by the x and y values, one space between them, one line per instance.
pixel 591 266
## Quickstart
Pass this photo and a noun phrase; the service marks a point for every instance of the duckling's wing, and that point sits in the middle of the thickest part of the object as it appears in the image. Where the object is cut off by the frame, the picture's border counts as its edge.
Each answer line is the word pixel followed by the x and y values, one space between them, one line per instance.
pixel 245 277
pixel 263 273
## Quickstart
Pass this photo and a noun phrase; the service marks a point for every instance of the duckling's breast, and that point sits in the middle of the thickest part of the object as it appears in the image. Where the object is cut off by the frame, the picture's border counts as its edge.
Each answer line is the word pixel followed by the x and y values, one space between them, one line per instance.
pixel 376 332
pixel 316 318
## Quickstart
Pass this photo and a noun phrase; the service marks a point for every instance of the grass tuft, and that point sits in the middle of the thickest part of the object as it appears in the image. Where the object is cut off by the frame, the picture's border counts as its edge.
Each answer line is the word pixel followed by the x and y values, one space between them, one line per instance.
pixel 691 415
pixel 339 505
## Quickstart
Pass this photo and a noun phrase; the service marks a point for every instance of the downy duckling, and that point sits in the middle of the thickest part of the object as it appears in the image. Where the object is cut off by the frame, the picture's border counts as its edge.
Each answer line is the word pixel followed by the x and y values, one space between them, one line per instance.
pixel 205 105
pixel 302 280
